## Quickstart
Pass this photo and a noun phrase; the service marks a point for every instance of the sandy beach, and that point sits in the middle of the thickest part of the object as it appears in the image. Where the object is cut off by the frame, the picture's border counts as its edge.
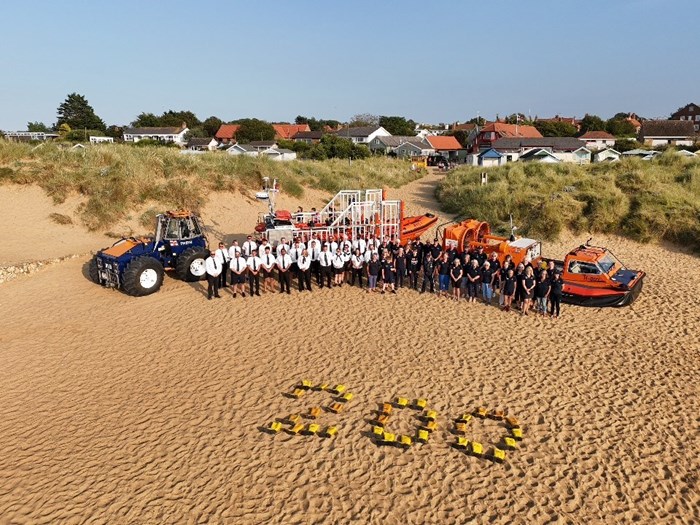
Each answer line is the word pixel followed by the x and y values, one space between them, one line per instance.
pixel 122 410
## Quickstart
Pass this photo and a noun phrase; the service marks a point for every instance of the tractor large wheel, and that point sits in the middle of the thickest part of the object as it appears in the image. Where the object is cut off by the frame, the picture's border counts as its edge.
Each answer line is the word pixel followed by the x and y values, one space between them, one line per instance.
pixel 143 276
pixel 190 264
pixel 93 272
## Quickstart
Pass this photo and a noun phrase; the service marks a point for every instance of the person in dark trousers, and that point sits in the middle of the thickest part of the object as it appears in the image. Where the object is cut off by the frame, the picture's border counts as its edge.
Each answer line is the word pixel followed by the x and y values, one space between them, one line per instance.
pixel 443 270
pixel 487 277
pixel 400 266
pixel 529 288
pixel 223 259
pixel 304 273
pixel 555 292
pixel 456 278
pixel 284 271
pixel 254 267
pixel 519 286
pixel 357 264
pixel 214 270
pixel 388 273
pixel 435 249
pixel 428 272
pixel 473 275
pixel 508 287
pixel 503 272
pixel 325 259
pixel 413 266
pixel 373 269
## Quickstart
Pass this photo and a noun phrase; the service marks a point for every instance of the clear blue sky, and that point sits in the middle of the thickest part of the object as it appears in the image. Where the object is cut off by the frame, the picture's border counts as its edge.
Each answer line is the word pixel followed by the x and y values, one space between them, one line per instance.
pixel 430 60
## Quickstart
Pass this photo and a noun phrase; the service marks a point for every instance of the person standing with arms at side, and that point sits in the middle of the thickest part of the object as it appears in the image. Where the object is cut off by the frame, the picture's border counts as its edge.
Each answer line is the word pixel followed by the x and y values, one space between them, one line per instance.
pixel 555 293
pixel 239 268
pixel 529 288
pixel 325 259
pixel 456 278
pixel 473 275
pixel 222 257
pixel 388 276
pixel 413 266
pixel 284 271
pixel 248 246
pixel 268 265
pixel 503 272
pixel 400 265
pixel 213 268
pixel 282 246
pixel 428 272
pixel 254 268
pixel 304 275
pixel 314 252
pixel 487 277
pixel 357 263
pixel 373 269
pixel 509 286
pixel 542 289
pixel 338 268
pixel 443 269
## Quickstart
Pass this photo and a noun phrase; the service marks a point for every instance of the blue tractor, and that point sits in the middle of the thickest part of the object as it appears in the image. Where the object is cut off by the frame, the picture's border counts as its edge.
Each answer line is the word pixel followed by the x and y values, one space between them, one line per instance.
pixel 137 266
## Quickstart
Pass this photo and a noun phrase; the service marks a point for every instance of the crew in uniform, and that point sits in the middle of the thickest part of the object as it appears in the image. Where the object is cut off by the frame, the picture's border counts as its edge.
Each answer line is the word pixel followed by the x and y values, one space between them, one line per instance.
pixel 304 271
pixel 284 271
pixel 223 258
pixel 254 268
pixel 213 267
pixel 239 268
pixel 248 246
pixel 268 265
pixel 325 259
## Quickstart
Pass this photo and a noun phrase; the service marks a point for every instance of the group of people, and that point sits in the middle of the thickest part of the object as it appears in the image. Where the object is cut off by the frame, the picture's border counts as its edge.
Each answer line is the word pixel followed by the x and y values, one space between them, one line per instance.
pixel 386 266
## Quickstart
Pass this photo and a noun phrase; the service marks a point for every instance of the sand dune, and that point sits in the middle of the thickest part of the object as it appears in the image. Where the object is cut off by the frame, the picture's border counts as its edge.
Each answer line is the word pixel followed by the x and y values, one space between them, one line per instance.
pixel 123 410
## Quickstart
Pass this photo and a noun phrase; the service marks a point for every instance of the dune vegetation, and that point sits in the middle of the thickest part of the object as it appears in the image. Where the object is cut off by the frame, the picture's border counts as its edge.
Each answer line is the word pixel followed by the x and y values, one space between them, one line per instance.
pixel 116 180
pixel 646 201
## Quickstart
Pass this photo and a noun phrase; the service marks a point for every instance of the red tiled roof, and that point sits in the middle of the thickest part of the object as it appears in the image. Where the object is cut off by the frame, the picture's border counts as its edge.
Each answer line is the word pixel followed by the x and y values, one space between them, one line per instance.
pixel 511 130
pixel 287 131
pixel 443 142
pixel 227 131
pixel 590 135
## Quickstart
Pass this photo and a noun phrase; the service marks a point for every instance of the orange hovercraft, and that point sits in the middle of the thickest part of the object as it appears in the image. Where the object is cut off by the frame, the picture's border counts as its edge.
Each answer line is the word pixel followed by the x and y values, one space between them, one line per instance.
pixel 592 275
pixel 353 213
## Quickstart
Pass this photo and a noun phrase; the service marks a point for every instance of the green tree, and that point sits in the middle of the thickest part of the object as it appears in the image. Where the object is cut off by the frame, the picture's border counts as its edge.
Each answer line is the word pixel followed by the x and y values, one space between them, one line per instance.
pixel 37 127
pixel 211 125
pixel 626 145
pixel 479 121
pixel 555 129
pixel 316 124
pixel 620 127
pixel 175 118
pixel 78 113
pixel 116 132
pixel 591 123
pixel 398 125
pixel 364 119
pixel 146 120
pixel 253 129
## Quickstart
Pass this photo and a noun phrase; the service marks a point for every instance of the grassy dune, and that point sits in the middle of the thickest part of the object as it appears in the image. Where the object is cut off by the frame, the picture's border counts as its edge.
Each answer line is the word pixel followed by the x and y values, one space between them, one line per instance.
pixel 118 179
pixel 644 200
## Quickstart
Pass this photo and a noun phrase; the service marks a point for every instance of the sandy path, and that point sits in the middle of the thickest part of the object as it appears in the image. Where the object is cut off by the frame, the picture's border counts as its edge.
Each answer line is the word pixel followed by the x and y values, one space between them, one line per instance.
pixel 120 410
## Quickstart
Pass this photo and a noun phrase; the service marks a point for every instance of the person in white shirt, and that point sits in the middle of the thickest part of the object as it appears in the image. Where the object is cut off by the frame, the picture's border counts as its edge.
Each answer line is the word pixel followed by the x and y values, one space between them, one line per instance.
pixel 338 268
pixel 345 242
pixel 213 268
pixel 314 253
pixel 262 246
pixel 254 268
pixel 371 250
pixel 248 246
pixel 239 268
pixel 357 264
pixel 295 253
pixel 333 246
pixel 223 258
pixel 359 244
pixel 282 246
pixel 346 254
pixel 284 271
pixel 325 260
pixel 234 250
pixel 268 265
pixel 304 275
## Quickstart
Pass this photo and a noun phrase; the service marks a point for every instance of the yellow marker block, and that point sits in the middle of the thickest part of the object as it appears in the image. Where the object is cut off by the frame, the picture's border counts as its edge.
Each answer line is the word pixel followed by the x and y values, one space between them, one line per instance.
pixel 498 454
pixel 298 392
pixel 275 426
pixel 461 442
pixel 509 442
pixel 313 428
pixel 497 414
pixel 477 448
pixel 512 422
pixel 389 438
pixel 482 412
pixel 431 415
pixel 517 433
pixel 430 426
pixel 383 419
pixel 347 396
pixel 339 389
pixel 378 431
pixel 322 386
pixel 387 408
pixel 314 412
pixel 423 436
pixel 421 403
pixel 336 407
pixel 293 418
pixel 297 428
pixel 305 383
pixel 401 402
pixel 405 441
pixel 331 431
pixel 465 418
pixel 461 427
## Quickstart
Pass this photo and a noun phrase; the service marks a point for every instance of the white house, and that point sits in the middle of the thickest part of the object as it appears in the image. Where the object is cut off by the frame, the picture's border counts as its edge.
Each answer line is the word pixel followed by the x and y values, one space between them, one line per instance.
pixel 489 158
pixel 99 140
pixel 363 134
pixel 606 155
pixel 243 149
pixel 598 139
pixel 666 132
pixel 540 155
pixel 413 148
pixel 202 144
pixel 167 134
pixel 26 136
pixel 279 154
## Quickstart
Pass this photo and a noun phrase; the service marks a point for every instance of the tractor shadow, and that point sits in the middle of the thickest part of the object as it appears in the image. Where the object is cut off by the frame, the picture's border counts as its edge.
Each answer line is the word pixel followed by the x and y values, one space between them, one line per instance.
pixel 85 270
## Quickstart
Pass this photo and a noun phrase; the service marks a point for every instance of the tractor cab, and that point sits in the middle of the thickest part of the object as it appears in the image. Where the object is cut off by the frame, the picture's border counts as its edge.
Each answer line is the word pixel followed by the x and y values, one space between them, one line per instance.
pixel 177 226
